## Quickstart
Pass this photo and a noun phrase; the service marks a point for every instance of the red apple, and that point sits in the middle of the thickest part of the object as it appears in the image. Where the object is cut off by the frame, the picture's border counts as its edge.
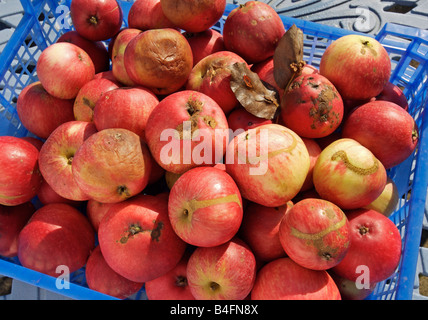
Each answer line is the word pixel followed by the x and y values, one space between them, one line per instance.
pixel 56 235
pixel 112 165
pixel 350 290
pixel 171 178
pixel 48 195
pixel 20 177
pixel 194 133
pixel 309 69
pixel 117 55
pixel 388 200
pixel 100 277
pixel 259 229
pixel 311 106
pixel 137 240
pixel 204 43
pixel 57 157
pixel 253 31
pixel 12 220
pixel 269 164
pixel 315 234
pixel 63 68
pixel 385 128
pixel 89 94
pixel 148 14
pixel 205 207
pixel 193 15
pixel 348 174
pixel 375 249
pixel 173 285
pixel 357 65
pixel 211 76
pixel 284 279
pixel 160 59
pixel 95 49
pixel 264 70
pixel 314 151
pixel 34 141
pixel 241 119
pixel 96 20
pixel 125 107
pixel 105 75
pixel 40 113
pixel 224 272
pixel 393 93
pixel 95 211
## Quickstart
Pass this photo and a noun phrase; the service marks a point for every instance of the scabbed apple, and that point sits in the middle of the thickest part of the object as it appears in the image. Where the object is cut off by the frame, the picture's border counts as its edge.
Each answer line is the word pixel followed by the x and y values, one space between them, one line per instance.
pixel 60 59
pixel 112 165
pixel 172 285
pixel 211 76
pixel 284 279
pixel 268 163
pixel 96 20
pixel 224 272
pixel 375 249
pixel 100 277
pixel 160 59
pixel 348 174
pixel 241 119
pixel 88 95
pixel 259 229
pixel 193 15
pixel 125 107
pixel 56 235
pixel 204 43
pixel 385 128
pixel 137 240
pixel 95 49
pixel 40 113
pixel 357 65
pixel 205 207
pixel 253 31
pixel 120 43
pixel 12 220
pixel 148 14
pixel 388 200
pixel 194 133
pixel 57 156
pixel 20 177
pixel 315 234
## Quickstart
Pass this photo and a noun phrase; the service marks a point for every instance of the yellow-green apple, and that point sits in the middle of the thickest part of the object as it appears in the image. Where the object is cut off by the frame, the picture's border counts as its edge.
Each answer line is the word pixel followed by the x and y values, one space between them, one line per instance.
pixel 39 112
pixel 148 14
pixel 268 163
pixel 137 239
pixel 205 207
pixel 315 234
pixel 375 249
pixel 284 279
pixel 125 107
pixel 60 59
pixel 96 20
pixel 194 133
pixel 204 43
pixel 357 65
pixel 112 165
pixel 211 76
pixel 241 119
pixel 160 59
pixel 172 285
pixel 350 290
pixel 57 156
pixel 193 15
pixel 20 177
pixel 253 31
pixel 12 220
pixel 224 272
pixel 348 174
pixel 57 235
pixel 388 200
pixel 95 49
pixel 385 128
pixel 88 95
pixel 100 277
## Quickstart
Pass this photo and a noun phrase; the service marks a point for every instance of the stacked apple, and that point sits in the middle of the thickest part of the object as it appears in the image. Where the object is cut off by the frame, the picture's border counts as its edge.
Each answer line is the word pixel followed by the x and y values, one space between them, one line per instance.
pixel 151 172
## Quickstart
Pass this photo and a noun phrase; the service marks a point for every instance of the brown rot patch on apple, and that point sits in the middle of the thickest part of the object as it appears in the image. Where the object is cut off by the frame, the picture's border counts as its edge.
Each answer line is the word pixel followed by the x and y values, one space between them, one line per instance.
pixel 156 232
pixel 341 155
pixel 130 232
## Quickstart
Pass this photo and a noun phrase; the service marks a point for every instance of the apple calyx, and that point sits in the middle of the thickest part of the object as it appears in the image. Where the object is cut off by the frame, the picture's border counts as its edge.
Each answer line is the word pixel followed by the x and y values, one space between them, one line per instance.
pixel 123 190
pixel 214 286
pixel 341 154
pixel 364 230
pixel 415 134
pixel 93 20
pixel 181 281
pixel 134 229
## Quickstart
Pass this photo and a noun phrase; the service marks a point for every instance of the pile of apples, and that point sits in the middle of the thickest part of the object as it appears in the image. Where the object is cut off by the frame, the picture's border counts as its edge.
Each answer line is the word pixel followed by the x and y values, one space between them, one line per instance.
pixel 149 172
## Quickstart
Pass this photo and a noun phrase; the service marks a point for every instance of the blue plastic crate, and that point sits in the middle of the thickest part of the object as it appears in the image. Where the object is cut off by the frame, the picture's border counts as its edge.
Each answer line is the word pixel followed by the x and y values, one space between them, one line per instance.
pixel 44 22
